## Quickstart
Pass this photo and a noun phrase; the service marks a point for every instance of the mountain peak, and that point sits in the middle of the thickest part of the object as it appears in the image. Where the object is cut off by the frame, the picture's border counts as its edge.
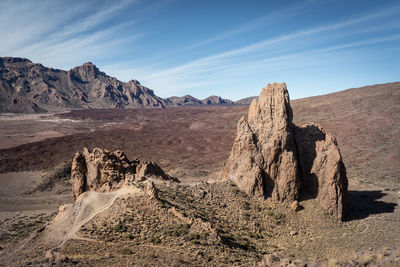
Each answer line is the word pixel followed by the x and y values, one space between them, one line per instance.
pixel 136 82
pixel 86 71
pixel 216 100
pixel 14 60
pixel 89 64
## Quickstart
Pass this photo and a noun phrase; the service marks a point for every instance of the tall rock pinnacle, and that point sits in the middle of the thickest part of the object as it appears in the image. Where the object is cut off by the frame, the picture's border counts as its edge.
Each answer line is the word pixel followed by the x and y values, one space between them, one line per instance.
pixel 272 158
pixel 263 158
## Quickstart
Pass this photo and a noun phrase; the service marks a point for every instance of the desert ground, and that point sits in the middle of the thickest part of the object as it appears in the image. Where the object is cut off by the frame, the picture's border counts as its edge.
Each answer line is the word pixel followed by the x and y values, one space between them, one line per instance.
pixel 192 144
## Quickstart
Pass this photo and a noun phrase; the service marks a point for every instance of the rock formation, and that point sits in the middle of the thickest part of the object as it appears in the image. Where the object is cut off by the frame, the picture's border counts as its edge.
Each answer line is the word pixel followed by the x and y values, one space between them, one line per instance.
pixel 263 158
pixel 323 173
pixel 30 87
pixel 272 158
pixel 101 170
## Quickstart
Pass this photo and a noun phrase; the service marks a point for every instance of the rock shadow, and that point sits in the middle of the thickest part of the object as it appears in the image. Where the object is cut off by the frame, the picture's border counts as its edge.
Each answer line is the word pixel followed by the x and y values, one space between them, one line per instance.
pixel 268 184
pixel 362 204
pixel 306 139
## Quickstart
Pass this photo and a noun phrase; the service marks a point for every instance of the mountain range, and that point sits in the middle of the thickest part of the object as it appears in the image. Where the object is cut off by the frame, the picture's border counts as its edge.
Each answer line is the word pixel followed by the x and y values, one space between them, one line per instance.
pixel 245 101
pixel 189 100
pixel 27 87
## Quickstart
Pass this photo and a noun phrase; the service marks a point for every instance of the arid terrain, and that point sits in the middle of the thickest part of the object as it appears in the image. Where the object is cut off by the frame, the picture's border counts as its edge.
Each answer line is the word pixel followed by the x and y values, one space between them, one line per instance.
pixel 192 143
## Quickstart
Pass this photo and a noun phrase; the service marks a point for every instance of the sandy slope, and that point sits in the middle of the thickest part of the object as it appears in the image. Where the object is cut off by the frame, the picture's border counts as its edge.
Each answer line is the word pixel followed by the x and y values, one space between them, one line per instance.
pixel 72 216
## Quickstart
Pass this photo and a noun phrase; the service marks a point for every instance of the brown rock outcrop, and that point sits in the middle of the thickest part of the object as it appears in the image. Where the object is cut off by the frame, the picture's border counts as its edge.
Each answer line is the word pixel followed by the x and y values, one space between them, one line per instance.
pixel 103 171
pixel 263 158
pixel 323 173
pixel 272 158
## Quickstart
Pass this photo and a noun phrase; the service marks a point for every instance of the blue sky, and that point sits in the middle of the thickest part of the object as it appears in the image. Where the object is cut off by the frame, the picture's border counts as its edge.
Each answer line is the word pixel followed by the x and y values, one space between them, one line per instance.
pixel 202 48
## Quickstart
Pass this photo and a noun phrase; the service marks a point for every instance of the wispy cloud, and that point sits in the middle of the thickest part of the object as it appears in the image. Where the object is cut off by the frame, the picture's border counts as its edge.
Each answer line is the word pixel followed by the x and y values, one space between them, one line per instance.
pixel 62 35
pixel 136 45
pixel 261 21
pixel 267 53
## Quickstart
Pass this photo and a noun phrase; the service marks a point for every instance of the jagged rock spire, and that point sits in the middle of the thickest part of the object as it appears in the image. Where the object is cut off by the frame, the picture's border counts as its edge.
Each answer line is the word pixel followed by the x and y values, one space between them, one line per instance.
pixel 273 158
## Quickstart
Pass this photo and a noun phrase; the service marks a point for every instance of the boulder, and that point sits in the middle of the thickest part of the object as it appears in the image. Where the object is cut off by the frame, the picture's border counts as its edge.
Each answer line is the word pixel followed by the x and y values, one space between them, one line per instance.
pixel 273 158
pixel 104 171
pixel 263 158
pixel 295 206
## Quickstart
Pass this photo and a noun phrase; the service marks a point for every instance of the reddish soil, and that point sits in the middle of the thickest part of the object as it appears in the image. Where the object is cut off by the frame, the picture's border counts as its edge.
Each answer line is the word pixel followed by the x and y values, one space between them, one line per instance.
pixel 196 141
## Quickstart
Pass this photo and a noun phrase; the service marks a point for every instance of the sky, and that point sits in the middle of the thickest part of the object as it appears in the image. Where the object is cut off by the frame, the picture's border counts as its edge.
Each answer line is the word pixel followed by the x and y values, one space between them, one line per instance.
pixel 227 48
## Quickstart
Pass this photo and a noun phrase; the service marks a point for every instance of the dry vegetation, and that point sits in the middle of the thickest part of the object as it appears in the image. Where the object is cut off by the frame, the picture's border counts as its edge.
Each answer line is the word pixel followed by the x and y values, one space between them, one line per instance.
pixel 216 224
pixel 196 223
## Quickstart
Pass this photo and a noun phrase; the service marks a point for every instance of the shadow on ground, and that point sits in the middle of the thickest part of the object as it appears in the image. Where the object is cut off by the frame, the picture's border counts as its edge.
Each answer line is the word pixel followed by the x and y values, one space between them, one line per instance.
pixel 361 204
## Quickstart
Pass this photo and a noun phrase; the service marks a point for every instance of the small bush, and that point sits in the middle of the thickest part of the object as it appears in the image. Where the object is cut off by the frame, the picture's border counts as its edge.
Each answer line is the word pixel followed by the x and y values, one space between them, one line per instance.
pixel 125 251
pixel 246 205
pixel 120 228
pixel 194 236
pixel 156 240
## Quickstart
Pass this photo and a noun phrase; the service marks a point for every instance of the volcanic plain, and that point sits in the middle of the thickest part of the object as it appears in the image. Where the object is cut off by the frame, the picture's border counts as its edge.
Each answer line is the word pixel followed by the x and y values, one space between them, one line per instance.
pixel 192 143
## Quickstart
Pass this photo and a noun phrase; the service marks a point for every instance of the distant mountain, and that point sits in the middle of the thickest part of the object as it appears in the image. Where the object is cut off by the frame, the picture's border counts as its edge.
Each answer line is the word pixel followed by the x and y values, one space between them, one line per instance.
pixel 245 101
pixel 30 87
pixel 189 100
pixel 186 100
pixel 217 100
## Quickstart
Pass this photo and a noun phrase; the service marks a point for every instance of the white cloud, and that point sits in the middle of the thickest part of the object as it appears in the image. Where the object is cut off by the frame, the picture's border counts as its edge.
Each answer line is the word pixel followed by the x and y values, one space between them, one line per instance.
pixel 62 34
pixel 65 34
pixel 265 55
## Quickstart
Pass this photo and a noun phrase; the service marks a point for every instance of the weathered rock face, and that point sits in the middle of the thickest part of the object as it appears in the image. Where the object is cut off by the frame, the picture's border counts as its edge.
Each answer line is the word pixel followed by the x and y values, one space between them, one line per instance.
pixel 101 170
pixel 29 87
pixel 263 158
pixel 272 158
pixel 323 173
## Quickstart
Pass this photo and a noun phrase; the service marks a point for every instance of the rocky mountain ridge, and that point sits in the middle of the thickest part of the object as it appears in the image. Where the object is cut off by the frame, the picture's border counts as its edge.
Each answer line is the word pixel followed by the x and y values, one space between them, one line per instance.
pixel 245 101
pixel 189 100
pixel 27 87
